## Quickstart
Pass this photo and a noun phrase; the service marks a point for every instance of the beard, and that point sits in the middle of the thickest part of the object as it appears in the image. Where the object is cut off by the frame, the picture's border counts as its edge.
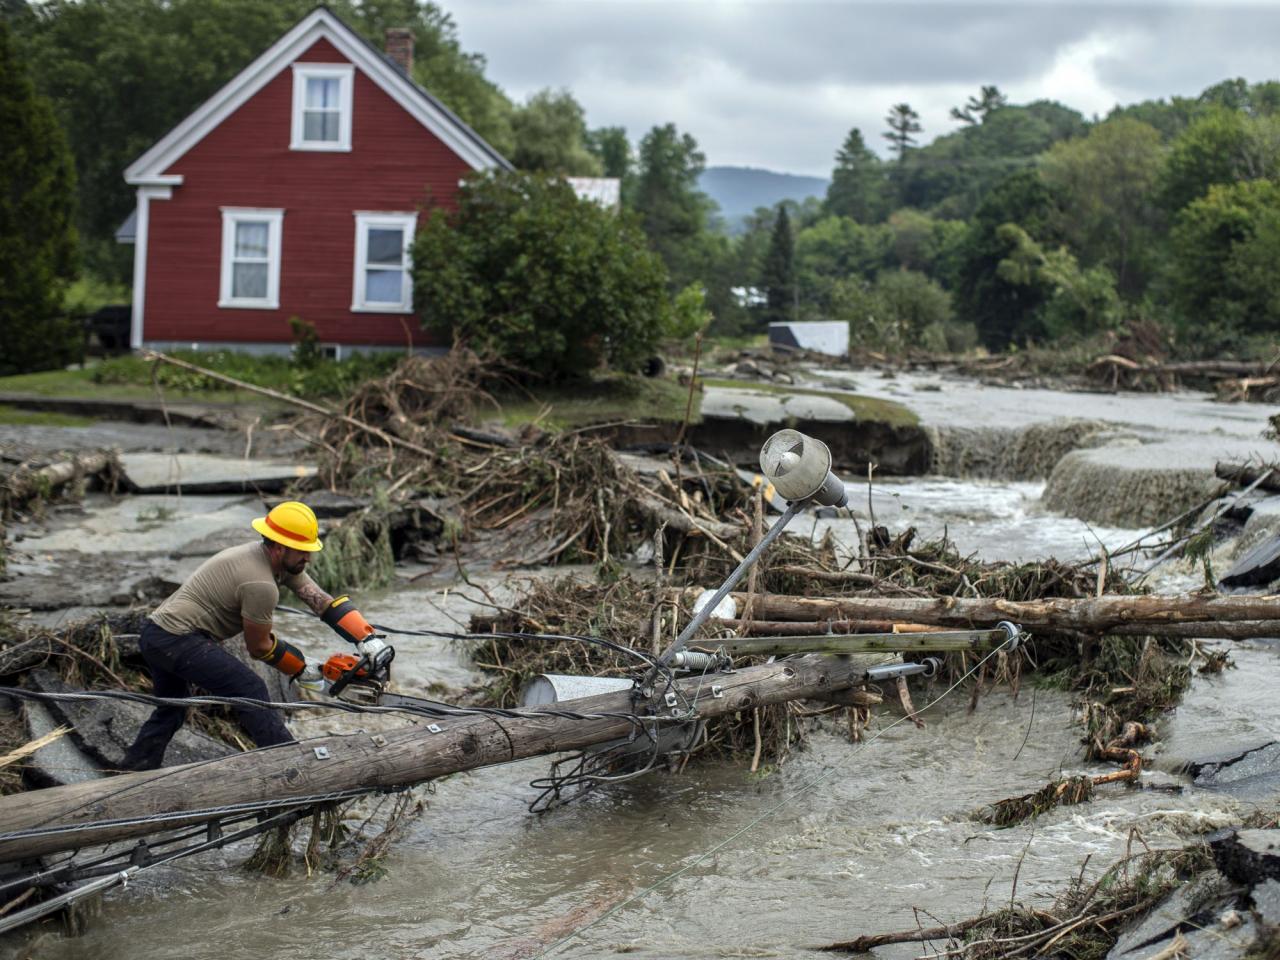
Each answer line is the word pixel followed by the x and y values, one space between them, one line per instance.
pixel 296 567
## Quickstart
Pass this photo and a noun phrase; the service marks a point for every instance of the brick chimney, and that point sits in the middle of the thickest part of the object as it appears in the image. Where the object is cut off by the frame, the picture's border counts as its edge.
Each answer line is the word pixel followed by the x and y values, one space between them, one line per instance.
pixel 400 48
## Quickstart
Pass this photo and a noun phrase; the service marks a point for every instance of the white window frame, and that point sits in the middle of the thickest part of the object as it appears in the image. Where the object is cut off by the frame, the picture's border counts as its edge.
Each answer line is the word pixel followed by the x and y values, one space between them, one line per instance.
pixel 365 219
pixel 231 216
pixel 302 72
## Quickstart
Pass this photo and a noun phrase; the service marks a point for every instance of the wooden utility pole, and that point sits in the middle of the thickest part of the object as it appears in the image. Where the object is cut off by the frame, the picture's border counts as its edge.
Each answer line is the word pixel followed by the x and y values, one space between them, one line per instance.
pixel 46 821
pixel 1085 615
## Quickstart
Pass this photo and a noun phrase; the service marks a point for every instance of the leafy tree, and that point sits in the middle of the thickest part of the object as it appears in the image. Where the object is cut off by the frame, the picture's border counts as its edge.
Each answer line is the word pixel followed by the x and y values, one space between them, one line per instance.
pixel 857 182
pixel 778 278
pixel 553 284
pixel 900 309
pixel 1108 181
pixel 1084 302
pixel 1220 146
pixel 976 109
pixel 37 236
pixel 903 123
pixel 673 211
pixel 550 136
pixel 950 176
pixel 1223 277
pixel 835 250
pixel 610 146
pixel 913 238
pixel 910 303
pixel 1001 311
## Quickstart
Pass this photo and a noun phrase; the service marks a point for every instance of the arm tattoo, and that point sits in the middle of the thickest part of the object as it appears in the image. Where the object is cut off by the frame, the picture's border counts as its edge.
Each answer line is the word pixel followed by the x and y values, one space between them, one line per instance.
pixel 315 598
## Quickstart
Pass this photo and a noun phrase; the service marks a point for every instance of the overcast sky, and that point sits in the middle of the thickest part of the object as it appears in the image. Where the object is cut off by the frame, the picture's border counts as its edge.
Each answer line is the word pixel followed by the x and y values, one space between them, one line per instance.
pixel 778 83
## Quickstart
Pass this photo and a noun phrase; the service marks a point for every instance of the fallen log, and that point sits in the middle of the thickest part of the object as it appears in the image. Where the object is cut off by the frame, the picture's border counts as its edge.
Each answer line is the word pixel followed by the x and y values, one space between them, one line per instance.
pixel 1085 615
pixel 40 822
pixel 23 484
pixel 775 628
pixel 1213 630
pixel 1266 476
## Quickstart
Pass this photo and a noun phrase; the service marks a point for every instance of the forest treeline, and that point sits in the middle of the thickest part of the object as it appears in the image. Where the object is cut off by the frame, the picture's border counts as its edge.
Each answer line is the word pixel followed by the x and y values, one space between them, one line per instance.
pixel 1021 223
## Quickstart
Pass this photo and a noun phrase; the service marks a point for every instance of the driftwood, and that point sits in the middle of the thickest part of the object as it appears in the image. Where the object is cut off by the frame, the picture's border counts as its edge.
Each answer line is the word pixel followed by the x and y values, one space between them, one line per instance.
pixel 1265 476
pixel 951 931
pixel 784 628
pixel 1087 615
pixel 384 436
pixel 23 484
pixel 1248 389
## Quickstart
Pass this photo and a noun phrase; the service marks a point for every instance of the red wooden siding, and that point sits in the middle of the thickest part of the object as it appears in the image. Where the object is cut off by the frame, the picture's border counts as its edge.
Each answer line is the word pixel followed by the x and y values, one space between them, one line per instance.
pixel 394 165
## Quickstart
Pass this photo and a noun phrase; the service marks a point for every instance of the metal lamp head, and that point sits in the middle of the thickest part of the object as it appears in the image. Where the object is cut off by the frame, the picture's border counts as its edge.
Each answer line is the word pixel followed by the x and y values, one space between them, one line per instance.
pixel 799 467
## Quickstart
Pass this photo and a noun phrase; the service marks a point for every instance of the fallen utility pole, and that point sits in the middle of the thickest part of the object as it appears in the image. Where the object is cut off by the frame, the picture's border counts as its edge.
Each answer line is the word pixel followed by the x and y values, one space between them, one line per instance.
pixel 97 812
pixel 1084 615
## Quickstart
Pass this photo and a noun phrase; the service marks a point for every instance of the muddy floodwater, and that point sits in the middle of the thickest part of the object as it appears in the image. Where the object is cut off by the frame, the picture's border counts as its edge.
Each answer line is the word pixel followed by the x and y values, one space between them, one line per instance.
pixel 843 839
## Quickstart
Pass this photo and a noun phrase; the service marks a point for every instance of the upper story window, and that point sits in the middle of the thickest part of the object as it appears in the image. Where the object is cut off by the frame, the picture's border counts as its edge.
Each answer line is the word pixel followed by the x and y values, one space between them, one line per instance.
pixel 321 106
pixel 383 283
pixel 250 258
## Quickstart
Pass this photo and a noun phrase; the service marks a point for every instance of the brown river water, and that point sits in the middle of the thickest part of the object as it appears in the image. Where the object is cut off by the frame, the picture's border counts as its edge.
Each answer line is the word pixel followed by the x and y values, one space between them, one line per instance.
pixel 843 839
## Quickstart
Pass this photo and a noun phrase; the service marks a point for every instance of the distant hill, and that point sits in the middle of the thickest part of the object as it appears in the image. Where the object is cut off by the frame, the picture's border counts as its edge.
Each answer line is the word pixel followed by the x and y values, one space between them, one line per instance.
pixel 739 190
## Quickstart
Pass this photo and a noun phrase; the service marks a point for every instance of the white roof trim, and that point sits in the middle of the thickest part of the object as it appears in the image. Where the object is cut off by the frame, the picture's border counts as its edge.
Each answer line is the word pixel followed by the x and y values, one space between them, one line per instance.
pixel 320 24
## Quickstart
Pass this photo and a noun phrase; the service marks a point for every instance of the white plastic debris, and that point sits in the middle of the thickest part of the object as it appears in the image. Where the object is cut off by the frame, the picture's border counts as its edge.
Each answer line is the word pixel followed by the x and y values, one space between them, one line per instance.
pixel 726 609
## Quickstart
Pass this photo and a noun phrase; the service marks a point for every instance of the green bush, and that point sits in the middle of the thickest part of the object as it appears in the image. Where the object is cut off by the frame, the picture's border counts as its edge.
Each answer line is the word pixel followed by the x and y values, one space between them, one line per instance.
pixel 555 285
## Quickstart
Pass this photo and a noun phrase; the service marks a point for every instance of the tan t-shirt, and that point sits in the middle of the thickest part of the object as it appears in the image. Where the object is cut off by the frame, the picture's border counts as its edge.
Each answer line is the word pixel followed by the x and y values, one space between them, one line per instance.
pixel 233 585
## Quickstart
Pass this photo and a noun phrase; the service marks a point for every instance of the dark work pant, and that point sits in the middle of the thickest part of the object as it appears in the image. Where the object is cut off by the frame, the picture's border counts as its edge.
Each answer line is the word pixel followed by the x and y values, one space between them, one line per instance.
pixel 179 662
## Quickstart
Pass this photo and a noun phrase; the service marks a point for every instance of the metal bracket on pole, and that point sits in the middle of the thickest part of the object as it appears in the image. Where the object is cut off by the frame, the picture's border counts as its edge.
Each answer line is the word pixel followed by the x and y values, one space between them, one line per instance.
pixel 799 467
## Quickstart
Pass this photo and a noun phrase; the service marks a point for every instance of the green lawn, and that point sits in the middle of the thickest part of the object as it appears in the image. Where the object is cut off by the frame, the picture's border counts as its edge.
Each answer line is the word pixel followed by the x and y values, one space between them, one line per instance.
pixel 864 408
pixel 16 417
pixel 80 384
pixel 604 400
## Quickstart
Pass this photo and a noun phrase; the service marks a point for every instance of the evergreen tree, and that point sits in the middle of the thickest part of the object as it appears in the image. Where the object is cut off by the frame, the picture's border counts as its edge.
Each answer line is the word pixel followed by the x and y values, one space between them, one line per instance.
pixel 903 122
pixel 975 110
pixel 857 182
pixel 778 275
pixel 37 238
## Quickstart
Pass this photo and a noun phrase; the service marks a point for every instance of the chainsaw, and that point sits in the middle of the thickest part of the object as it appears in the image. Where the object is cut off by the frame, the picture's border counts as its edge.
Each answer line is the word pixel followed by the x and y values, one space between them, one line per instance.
pixel 362 677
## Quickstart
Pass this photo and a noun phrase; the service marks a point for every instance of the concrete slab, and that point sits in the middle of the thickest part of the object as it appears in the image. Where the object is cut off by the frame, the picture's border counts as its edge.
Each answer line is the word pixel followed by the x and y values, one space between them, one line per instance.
pixel 60 762
pixel 144 524
pixel 205 473
pixel 104 729
pixel 762 407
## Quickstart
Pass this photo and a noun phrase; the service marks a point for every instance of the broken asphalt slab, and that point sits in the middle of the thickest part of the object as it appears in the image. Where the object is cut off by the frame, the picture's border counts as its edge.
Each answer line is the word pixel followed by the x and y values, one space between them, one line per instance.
pixel 205 473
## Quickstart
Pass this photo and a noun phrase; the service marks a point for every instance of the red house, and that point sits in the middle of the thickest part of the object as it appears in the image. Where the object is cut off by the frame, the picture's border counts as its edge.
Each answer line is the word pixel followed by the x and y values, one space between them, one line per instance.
pixel 296 191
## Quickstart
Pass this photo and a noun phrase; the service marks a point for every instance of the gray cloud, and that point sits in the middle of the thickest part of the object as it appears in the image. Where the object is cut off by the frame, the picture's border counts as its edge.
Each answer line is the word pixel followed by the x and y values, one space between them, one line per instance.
pixel 778 84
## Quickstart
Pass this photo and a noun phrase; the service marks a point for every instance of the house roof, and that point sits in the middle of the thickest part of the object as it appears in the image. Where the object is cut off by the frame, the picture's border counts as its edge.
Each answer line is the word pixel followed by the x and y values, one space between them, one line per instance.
pixel 321 23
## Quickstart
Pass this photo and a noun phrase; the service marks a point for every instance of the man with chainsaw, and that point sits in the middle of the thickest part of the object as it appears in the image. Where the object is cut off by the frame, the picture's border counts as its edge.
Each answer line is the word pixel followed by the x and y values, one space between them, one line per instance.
pixel 236 591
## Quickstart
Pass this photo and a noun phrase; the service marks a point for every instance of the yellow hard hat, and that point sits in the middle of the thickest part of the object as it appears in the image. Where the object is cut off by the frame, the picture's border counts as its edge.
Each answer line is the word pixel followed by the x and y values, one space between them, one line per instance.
pixel 293 524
